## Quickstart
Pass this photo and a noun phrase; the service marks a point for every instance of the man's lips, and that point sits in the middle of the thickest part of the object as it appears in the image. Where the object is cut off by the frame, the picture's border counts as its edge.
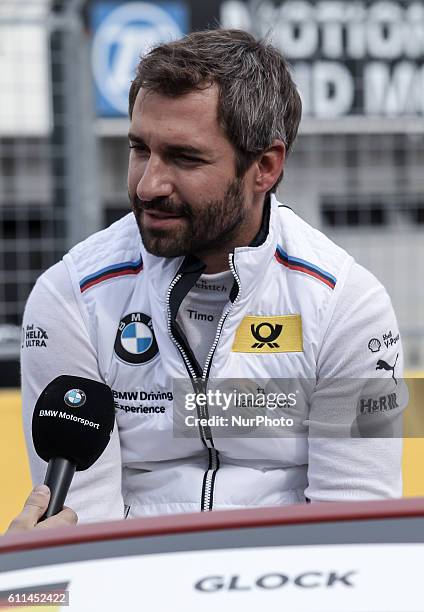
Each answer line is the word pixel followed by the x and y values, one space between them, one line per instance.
pixel 160 220
pixel 160 214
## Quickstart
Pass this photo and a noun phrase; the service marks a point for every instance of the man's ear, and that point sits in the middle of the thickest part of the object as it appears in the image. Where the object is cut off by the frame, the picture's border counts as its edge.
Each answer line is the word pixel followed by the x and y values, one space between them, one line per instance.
pixel 269 167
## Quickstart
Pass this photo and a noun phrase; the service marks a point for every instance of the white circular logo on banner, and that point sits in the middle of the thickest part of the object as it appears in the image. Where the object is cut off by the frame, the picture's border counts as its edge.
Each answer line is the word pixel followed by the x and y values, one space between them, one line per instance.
pixel 127 33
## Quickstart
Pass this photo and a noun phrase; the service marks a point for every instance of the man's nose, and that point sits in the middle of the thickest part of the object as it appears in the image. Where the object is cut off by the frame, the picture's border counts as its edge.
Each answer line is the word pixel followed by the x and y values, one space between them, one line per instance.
pixel 155 181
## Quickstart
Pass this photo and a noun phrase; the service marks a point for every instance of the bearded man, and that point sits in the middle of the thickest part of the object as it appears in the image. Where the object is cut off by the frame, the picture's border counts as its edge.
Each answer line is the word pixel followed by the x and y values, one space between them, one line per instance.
pixel 209 278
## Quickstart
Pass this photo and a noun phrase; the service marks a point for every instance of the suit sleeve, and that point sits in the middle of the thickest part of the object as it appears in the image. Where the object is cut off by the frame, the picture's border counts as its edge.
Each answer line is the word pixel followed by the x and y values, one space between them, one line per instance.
pixel 52 313
pixel 355 418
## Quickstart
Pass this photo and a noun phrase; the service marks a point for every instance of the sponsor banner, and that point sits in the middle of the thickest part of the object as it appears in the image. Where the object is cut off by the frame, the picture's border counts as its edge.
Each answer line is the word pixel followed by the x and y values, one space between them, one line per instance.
pixel 301 578
pixel 122 33
pixel 349 58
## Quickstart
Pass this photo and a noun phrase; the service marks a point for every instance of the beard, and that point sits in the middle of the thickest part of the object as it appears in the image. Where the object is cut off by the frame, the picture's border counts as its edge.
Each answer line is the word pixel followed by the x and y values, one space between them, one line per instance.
pixel 202 228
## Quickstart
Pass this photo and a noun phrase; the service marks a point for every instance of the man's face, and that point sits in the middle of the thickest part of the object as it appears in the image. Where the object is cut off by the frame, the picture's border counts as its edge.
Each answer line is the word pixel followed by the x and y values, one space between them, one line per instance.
pixel 181 177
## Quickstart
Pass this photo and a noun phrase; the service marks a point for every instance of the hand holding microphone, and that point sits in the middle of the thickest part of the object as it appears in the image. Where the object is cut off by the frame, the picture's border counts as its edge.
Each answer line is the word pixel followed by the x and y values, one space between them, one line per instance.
pixel 71 427
pixel 35 506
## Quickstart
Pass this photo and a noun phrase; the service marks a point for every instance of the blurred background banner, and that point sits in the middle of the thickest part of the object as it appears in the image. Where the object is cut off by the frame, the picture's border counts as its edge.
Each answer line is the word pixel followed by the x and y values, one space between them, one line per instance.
pixel 360 59
pixel 121 33
pixel 25 97
pixel 356 171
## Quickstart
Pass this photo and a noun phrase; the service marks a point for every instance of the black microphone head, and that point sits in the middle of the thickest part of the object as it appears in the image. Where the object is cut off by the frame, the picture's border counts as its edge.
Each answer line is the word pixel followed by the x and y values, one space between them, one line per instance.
pixel 73 418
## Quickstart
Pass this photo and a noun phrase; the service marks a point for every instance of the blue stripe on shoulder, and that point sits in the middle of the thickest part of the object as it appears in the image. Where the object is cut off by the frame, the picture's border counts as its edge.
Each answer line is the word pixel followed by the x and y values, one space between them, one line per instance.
pixel 305 264
pixel 126 265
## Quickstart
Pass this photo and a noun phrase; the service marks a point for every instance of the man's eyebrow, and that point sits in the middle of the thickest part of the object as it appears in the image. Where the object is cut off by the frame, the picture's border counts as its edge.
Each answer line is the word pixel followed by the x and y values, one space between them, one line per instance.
pixel 188 149
pixel 171 149
pixel 134 138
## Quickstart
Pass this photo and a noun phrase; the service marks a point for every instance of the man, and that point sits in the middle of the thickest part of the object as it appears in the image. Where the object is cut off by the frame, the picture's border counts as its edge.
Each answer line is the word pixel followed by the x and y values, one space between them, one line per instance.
pixel 212 278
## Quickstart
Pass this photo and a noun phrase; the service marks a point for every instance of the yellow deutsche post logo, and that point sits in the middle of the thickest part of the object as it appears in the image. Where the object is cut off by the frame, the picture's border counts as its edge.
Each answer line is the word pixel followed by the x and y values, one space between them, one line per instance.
pixel 262 334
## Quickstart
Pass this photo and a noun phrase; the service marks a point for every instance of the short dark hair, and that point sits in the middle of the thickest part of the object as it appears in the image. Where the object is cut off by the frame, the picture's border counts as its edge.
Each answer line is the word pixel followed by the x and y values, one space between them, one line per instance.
pixel 258 100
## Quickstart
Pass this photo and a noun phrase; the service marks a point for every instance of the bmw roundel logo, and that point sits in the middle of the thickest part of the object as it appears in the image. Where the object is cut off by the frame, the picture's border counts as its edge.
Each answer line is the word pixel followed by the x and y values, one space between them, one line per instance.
pixel 75 398
pixel 135 341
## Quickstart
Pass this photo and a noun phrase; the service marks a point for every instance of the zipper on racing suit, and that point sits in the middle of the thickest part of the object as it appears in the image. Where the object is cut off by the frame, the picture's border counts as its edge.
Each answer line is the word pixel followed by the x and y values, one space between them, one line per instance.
pixel 189 272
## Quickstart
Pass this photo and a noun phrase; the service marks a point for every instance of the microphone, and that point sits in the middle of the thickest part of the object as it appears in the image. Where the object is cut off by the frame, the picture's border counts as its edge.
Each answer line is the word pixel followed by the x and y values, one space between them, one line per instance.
pixel 71 426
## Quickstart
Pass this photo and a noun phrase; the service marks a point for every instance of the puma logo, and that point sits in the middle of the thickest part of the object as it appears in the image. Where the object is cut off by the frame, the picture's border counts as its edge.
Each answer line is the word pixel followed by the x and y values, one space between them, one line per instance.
pixel 383 365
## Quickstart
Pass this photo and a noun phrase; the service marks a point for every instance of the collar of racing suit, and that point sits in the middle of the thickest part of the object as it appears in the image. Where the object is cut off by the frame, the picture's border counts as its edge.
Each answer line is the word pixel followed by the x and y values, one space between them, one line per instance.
pixel 249 263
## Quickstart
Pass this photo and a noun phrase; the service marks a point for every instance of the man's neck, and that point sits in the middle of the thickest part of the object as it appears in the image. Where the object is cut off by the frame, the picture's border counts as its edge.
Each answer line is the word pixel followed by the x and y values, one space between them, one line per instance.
pixel 216 263
pixel 219 262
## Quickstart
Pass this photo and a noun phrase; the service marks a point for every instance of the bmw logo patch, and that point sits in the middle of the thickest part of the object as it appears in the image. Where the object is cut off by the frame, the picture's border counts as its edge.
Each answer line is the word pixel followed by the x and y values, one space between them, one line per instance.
pixel 135 341
pixel 75 398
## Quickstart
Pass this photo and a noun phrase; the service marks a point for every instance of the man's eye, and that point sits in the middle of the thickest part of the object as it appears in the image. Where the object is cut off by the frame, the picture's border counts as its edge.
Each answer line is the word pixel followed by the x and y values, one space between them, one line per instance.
pixel 188 159
pixel 139 148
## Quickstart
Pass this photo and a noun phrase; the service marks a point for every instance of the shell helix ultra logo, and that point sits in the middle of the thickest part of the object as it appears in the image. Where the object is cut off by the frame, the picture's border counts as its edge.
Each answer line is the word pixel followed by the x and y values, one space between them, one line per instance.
pixel 75 398
pixel 266 334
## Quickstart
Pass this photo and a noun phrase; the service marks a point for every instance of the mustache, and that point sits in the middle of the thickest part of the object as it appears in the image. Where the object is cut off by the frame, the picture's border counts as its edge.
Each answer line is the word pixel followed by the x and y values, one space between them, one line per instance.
pixel 161 205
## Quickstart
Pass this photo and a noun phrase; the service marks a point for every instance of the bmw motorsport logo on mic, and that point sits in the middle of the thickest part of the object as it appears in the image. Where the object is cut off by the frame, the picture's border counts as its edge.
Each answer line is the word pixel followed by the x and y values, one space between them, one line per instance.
pixel 75 398
pixel 73 419
pixel 69 439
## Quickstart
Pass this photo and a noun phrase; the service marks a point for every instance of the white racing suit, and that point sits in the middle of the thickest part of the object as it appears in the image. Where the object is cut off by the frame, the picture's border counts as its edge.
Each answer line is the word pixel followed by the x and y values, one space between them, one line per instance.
pixel 107 312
